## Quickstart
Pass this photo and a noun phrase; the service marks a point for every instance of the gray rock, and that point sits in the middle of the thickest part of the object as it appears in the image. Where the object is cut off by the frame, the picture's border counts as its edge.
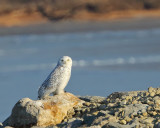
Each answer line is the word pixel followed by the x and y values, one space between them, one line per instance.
pixel 88 119
pixel 134 109
pixel 74 123
pixel 93 99
pixel 116 95
pixel 117 125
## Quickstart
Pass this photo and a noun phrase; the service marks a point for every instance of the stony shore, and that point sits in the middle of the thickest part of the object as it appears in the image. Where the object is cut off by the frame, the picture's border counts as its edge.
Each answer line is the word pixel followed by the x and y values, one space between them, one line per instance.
pixel 137 109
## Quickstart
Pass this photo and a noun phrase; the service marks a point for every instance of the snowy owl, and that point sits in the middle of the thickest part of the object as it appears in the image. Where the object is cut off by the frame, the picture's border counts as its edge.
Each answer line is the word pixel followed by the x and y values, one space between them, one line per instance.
pixel 57 79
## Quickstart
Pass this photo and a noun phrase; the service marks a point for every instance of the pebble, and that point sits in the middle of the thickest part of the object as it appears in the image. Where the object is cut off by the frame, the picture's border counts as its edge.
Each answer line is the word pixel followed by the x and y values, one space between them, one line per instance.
pixel 158 91
pixel 152 94
pixel 132 116
pixel 154 113
pixel 94 104
pixel 144 113
pixel 87 103
pixel 150 89
pixel 123 122
pixel 123 102
pixel 134 102
pixel 146 93
pixel 156 100
pixel 150 103
pixel 127 119
pixel 111 105
pixel 95 113
pixel 128 97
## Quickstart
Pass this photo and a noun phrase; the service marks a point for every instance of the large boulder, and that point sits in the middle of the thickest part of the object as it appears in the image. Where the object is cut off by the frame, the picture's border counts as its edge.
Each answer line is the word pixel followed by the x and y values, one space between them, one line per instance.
pixel 50 111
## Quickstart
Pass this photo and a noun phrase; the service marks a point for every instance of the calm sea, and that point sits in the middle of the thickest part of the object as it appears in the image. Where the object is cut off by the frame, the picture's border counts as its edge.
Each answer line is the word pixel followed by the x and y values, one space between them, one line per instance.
pixel 103 62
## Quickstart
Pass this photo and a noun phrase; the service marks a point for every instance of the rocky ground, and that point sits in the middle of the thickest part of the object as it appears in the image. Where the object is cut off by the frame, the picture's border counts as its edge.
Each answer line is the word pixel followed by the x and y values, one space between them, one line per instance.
pixel 137 109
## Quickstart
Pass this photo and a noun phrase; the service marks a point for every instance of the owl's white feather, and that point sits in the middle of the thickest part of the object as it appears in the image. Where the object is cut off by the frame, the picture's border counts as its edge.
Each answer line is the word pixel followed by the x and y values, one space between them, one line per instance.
pixel 57 79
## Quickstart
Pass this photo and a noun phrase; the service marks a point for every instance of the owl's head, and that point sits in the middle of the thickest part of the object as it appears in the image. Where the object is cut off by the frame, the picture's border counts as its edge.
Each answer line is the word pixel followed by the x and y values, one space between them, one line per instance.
pixel 65 60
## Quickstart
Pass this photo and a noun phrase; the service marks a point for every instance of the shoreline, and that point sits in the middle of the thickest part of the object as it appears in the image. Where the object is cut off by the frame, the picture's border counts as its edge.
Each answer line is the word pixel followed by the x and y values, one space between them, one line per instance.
pixel 71 26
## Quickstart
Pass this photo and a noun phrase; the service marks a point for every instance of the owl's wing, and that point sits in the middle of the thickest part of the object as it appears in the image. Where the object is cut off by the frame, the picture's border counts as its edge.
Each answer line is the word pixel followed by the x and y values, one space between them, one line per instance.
pixel 50 79
pixel 46 85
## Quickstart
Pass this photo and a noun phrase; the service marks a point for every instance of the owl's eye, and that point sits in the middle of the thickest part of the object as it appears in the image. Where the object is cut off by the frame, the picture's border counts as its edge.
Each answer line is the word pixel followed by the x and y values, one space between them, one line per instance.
pixel 62 60
pixel 67 59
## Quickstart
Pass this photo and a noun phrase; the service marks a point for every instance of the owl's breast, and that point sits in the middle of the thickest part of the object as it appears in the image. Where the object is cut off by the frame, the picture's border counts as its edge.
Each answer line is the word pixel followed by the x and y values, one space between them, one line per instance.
pixel 65 76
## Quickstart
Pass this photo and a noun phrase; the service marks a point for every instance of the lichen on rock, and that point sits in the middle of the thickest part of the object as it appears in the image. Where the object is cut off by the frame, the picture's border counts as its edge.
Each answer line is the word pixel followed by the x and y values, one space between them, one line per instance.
pixel 50 111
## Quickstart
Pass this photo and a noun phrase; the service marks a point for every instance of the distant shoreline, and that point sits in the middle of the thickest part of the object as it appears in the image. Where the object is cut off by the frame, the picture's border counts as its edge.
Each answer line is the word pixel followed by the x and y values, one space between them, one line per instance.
pixel 57 16
pixel 72 26
pixel 82 26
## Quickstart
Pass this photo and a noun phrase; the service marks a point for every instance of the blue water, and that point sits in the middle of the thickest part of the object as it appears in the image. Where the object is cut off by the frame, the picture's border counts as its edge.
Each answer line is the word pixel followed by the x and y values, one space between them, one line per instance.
pixel 103 62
